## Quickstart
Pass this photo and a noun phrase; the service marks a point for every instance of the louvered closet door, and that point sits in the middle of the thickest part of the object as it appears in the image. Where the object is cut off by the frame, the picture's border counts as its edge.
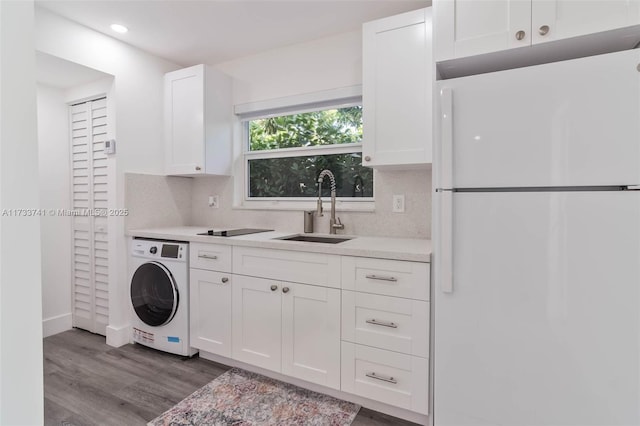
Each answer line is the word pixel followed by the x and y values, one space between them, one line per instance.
pixel 89 205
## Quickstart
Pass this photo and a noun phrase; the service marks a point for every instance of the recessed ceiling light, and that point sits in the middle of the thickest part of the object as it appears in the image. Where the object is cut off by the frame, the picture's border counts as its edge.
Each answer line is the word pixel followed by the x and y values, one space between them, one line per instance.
pixel 119 28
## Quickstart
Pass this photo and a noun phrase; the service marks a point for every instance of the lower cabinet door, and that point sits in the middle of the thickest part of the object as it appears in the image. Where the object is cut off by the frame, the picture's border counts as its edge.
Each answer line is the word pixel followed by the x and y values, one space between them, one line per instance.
pixel 257 322
pixel 390 377
pixel 210 311
pixel 311 333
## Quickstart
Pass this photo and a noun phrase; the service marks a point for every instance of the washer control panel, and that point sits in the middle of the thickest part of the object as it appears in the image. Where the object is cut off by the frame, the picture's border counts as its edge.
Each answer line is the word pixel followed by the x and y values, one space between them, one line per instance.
pixel 155 249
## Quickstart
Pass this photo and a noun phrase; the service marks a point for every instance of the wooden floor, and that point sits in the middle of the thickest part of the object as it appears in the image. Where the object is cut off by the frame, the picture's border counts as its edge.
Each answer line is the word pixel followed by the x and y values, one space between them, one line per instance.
pixel 89 383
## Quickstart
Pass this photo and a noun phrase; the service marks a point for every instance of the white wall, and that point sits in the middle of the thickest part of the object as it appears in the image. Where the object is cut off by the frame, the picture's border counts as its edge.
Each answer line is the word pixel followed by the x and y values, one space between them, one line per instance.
pixel 53 148
pixel 137 97
pixel 327 63
pixel 21 390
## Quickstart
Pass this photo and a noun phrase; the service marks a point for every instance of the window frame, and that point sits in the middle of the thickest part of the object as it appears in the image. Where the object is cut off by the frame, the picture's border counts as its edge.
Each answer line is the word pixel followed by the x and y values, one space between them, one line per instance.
pixel 289 106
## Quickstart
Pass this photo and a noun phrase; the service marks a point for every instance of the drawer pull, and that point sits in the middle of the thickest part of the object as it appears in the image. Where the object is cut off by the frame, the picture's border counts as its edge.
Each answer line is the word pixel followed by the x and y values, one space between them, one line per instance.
pixel 381 278
pixel 381 323
pixel 383 378
pixel 207 256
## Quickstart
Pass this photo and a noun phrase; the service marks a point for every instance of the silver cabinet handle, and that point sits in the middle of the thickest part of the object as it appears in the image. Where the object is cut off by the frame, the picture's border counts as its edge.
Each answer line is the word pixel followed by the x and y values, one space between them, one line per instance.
pixel 374 321
pixel 207 256
pixel 225 280
pixel 380 277
pixel 383 378
pixel 198 168
pixel 274 287
pixel 285 289
pixel 543 30
pixel 520 35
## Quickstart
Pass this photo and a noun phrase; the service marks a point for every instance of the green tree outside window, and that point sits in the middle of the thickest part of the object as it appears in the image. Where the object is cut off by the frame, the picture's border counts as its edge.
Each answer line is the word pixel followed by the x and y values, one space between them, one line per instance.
pixel 296 176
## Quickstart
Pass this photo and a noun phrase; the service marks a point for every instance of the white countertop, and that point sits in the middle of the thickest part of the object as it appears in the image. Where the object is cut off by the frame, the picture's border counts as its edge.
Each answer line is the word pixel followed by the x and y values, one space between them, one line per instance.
pixel 412 249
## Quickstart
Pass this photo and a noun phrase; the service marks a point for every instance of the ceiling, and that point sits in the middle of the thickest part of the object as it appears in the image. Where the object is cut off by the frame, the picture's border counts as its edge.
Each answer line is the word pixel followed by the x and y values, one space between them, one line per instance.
pixel 190 32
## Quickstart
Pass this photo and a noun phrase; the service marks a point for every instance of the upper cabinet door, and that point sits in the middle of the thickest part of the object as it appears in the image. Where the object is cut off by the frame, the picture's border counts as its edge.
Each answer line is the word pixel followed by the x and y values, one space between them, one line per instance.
pixel 558 19
pixel 397 80
pixel 184 121
pixel 472 27
pixel 198 122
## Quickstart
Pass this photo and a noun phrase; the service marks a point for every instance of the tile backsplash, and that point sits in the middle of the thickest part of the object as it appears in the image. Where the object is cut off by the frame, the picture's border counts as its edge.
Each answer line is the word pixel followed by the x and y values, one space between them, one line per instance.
pixel 156 201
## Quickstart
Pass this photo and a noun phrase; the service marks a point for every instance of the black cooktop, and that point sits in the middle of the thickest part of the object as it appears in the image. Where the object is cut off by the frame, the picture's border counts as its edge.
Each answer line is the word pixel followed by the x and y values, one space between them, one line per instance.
pixel 234 232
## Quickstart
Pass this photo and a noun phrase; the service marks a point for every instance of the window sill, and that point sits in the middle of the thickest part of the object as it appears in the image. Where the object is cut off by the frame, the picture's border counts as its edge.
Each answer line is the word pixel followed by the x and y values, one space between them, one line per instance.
pixel 341 206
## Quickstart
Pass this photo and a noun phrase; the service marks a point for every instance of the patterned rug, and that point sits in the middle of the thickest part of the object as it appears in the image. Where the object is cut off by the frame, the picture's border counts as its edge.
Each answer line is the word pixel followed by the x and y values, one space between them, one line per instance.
pixel 241 398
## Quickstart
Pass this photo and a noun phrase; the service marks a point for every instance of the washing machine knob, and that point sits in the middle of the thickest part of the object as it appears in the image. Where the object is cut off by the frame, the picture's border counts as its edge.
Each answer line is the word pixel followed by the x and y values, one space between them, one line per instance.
pixel 153 250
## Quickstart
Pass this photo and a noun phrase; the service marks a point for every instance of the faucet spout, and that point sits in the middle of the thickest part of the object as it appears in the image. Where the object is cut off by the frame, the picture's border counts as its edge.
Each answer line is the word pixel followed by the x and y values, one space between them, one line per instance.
pixel 334 223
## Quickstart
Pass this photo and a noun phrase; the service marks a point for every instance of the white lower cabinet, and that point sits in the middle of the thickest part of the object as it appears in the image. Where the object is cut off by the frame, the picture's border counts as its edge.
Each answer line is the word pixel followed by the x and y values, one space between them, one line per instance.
pixel 286 265
pixel 385 331
pixel 311 334
pixel 390 377
pixel 395 278
pixel 213 257
pixel 287 327
pixel 355 324
pixel 210 311
pixel 385 322
pixel 257 322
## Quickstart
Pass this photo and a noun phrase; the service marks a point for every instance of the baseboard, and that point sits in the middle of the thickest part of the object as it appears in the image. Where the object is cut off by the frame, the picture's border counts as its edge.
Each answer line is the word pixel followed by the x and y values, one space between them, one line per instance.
pixel 118 336
pixel 365 402
pixel 57 324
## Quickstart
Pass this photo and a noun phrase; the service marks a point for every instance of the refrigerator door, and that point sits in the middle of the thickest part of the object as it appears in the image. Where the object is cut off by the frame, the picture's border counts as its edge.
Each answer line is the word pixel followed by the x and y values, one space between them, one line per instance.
pixel 571 123
pixel 541 325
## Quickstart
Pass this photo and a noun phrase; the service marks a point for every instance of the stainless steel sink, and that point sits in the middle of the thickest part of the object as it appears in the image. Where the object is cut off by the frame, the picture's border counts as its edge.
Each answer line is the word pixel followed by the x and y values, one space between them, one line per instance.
pixel 315 239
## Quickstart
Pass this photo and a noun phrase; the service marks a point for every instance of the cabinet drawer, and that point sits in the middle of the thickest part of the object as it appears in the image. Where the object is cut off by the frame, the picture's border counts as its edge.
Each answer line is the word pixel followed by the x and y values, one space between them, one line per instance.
pixel 387 277
pixel 393 378
pixel 213 257
pixel 392 323
pixel 293 266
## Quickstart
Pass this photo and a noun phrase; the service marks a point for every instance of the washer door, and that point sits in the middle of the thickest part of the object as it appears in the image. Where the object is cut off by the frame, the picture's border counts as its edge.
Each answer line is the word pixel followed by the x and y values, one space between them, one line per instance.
pixel 154 294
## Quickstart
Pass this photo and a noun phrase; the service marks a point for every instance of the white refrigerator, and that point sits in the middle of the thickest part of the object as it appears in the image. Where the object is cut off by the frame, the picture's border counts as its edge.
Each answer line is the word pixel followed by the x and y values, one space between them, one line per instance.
pixel 537 246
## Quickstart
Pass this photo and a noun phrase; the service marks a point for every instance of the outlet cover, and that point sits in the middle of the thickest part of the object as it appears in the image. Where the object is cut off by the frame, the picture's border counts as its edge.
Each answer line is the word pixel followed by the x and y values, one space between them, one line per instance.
pixel 398 203
pixel 214 201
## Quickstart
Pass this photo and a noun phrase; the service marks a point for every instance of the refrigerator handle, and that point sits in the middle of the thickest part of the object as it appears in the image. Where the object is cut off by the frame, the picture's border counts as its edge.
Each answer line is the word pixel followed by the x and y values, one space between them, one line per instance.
pixel 446 146
pixel 446 242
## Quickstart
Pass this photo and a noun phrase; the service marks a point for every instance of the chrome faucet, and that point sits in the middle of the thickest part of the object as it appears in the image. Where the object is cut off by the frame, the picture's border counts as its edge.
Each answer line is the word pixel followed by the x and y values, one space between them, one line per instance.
pixel 334 222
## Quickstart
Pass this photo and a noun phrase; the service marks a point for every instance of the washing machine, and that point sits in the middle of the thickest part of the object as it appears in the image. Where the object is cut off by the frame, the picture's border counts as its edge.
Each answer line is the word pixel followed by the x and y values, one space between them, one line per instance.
pixel 159 294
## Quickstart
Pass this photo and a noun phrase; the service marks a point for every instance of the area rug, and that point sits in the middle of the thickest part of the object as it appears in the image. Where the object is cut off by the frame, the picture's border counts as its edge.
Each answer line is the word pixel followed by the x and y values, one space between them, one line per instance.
pixel 242 398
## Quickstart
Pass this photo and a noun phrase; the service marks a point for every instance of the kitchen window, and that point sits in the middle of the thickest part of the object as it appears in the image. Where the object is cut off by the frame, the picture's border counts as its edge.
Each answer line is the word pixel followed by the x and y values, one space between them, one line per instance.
pixel 284 152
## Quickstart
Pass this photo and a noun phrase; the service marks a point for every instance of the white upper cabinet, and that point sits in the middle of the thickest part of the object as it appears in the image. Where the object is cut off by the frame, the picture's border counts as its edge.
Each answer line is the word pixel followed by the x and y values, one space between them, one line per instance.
pixel 466 28
pixel 558 19
pixel 470 27
pixel 198 115
pixel 396 91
